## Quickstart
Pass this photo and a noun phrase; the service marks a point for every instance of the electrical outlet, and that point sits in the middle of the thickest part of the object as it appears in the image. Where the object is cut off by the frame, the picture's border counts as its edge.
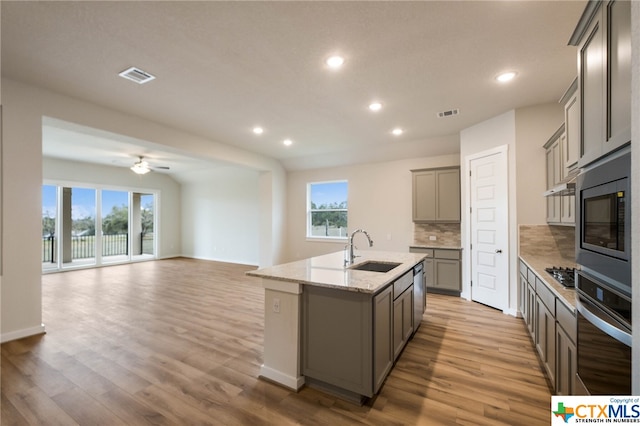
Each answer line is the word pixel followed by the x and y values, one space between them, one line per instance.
pixel 432 237
pixel 276 305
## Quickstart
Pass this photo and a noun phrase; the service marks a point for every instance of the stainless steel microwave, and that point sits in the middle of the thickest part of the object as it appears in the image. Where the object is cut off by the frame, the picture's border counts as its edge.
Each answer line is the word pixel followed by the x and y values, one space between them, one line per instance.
pixel 603 213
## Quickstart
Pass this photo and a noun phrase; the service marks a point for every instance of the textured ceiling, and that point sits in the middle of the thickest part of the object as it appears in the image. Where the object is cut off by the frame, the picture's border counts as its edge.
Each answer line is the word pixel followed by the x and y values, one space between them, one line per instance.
pixel 223 67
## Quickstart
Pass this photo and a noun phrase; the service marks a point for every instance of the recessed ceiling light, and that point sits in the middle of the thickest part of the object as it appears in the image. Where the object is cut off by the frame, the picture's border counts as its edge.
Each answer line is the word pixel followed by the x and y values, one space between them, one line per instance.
pixel 258 130
pixel 506 76
pixel 335 62
pixel 287 142
pixel 397 131
pixel 375 106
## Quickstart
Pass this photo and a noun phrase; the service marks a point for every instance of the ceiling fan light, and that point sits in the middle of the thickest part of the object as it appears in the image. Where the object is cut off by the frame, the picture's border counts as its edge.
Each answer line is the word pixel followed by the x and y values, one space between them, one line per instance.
pixel 141 168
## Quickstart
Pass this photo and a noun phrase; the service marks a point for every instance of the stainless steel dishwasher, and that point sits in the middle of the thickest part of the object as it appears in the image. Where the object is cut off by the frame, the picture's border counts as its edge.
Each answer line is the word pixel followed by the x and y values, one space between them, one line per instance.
pixel 418 295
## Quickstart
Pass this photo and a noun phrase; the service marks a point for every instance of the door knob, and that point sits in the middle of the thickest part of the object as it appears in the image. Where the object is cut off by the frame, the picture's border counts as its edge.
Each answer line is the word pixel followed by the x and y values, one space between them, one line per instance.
pixel 498 250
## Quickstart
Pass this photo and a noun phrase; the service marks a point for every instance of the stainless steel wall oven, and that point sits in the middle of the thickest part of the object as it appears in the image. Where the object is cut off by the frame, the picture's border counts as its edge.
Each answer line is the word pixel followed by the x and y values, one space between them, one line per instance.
pixel 603 278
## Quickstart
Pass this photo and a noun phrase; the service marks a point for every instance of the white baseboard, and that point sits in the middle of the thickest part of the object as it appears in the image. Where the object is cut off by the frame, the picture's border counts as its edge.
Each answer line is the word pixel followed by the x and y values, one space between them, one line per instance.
pixel 20 334
pixel 290 382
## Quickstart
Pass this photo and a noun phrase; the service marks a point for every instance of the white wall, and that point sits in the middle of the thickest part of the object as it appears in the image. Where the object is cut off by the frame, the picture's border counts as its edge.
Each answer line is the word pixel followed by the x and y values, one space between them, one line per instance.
pixel 23 109
pixel 379 202
pixel 524 131
pixel 62 171
pixel 534 126
pixel 492 133
pixel 221 215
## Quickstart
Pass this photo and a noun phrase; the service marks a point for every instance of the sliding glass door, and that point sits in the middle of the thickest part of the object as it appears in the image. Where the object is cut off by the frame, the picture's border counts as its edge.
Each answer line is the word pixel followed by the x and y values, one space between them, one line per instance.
pixel 78 226
pixel 49 227
pixel 115 226
pixel 126 222
pixel 142 225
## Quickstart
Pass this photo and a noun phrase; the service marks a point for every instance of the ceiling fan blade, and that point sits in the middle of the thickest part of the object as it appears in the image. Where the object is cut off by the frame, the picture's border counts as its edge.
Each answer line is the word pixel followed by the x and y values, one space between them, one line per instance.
pixel 161 167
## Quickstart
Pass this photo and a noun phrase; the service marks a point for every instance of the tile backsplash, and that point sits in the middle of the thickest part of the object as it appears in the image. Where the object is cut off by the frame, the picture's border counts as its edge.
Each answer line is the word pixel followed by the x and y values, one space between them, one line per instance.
pixel 447 234
pixel 545 240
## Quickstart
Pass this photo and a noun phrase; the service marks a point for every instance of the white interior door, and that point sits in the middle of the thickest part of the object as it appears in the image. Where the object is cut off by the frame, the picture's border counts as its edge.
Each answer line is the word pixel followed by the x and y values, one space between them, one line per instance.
pixel 489 230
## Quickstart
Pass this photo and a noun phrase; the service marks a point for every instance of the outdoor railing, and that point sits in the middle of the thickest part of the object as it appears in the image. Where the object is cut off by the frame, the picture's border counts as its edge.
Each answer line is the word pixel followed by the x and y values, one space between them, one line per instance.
pixel 83 247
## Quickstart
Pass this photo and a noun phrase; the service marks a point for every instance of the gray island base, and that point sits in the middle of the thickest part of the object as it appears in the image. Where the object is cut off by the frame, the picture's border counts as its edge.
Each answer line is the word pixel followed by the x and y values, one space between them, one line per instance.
pixel 336 328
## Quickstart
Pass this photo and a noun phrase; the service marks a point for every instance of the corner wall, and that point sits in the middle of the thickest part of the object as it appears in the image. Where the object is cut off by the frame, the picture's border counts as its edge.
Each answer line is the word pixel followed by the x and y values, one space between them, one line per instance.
pixel 23 107
pixel 524 131
pixel 380 201
pixel 220 215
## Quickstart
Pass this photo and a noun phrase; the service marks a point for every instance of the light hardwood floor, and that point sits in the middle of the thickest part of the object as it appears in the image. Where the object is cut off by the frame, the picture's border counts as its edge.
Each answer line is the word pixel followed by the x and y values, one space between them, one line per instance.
pixel 179 341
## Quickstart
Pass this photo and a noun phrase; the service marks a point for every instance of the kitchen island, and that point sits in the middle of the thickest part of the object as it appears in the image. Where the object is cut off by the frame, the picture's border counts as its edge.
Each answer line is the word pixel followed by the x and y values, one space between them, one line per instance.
pixel 340 328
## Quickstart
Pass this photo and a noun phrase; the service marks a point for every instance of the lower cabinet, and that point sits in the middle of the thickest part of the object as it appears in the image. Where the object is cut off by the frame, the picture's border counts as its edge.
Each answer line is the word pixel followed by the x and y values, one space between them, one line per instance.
pixel 383 354
pixel 350 339
pixel 566 355
pixel 442 270
pixel 553 328
pixel 546 339
pixel 566 363
pixel 402 321
pixel 531 311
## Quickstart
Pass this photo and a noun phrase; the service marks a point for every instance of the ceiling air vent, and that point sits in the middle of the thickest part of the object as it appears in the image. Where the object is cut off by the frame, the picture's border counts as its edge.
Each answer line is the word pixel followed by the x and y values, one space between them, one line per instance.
pixel 449 113
pixel 137 75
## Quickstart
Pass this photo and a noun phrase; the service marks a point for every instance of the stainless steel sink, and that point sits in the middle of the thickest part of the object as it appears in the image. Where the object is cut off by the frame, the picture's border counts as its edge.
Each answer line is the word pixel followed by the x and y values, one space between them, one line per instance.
pixel 374 266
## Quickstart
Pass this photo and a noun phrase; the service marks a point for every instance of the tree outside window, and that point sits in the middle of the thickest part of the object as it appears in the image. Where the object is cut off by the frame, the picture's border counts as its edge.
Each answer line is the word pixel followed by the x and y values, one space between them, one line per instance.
pixel 327 210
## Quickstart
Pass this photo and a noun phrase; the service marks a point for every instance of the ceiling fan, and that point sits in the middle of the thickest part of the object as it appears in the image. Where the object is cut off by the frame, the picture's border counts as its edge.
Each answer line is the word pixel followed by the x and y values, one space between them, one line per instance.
pixel 142 167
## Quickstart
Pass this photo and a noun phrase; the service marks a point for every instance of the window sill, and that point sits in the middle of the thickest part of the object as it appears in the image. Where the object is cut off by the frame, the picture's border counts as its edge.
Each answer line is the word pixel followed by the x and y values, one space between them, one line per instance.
pixel 328 239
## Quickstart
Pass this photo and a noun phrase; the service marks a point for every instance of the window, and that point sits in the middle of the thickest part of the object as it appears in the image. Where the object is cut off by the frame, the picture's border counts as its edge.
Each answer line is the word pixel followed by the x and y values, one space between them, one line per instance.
pixel 327 209
pixel 125 221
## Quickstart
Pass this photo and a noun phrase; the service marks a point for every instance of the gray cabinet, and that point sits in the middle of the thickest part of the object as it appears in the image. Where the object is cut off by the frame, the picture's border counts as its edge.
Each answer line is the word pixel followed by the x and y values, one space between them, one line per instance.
pixel 402 320
pixel 571 145
pixel 553 328
pixel 603 37
pixel 382 339
pixel 337 346
pixel 428 273
pixel 560 209
pixel 522 292
pixel 442 270
pixel 566 358
pixel 446 270
pixel 546 330
pixel 436 195
pixel 351 339
pixel 553 161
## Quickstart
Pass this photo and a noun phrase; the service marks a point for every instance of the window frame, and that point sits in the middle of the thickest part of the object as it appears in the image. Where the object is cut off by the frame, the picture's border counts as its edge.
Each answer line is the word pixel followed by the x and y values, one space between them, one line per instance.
pixel 310 211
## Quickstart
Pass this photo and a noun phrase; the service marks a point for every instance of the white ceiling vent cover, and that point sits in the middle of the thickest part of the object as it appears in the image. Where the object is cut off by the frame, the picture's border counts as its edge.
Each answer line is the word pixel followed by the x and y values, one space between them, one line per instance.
pixel 137 75
pixel 449 113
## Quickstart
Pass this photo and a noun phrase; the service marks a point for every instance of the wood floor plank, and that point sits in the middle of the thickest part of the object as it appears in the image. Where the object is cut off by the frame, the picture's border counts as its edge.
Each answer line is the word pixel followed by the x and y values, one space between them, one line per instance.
pixel 180 341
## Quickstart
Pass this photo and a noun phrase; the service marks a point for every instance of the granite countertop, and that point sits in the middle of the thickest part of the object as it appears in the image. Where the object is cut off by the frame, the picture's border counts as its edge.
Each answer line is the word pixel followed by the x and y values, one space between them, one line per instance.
pixel 434 246
pixel 538 263
pixel 329 271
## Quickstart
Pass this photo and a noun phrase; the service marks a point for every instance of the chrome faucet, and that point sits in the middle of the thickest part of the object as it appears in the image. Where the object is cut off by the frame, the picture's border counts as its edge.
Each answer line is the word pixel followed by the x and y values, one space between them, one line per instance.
pixel 349 247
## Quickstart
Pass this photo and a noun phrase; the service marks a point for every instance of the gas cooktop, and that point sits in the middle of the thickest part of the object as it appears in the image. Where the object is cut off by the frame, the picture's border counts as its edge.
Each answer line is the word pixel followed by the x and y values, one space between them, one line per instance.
pixel 564 276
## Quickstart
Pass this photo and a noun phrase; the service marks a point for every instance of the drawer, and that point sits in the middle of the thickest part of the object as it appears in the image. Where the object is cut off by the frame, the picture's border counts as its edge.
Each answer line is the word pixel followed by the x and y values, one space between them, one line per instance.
pixel 546 295
pixel 447 254
pixel 402 283
pixel 531 277
pixel 523 269
pixel 567 320
pixel 428 252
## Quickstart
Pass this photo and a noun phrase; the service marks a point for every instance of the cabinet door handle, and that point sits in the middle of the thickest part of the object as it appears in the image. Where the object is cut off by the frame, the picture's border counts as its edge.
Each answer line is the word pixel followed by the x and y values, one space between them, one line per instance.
pixel 498 250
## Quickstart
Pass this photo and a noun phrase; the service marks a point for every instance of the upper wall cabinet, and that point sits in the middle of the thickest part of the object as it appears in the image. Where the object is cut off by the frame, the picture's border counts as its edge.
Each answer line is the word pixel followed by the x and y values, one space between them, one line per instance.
pixel 436 195
pixel 603 37
pixel 571 146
